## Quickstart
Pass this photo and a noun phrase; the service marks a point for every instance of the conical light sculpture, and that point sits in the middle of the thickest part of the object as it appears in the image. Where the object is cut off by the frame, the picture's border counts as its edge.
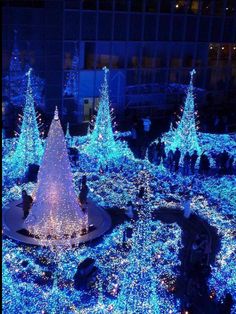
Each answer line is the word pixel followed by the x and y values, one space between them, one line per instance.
pixel 102 144
pixel 29 148
pixel 15 82
pixel 185 135
pixel 72 81
pixel 55 212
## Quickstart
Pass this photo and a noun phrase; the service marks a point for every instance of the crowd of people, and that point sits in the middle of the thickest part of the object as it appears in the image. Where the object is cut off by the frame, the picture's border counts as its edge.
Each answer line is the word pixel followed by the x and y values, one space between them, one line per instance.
pixel 224 163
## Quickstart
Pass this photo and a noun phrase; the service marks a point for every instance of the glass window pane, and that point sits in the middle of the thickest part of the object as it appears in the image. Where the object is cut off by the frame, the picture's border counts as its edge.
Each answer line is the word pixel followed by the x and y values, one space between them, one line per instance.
pixel 206 7
pixel 178 28
pixel 105 4
pixel 191 28
pixel 120 26
pixel 150 27
pixel 89 4
pixel 104 26
pixel 135 27
pixel 151 6
pixel 204 29
pixel 121 5
pixel 164 28
pixel 88 25
pixel 216 29
pixel 213 54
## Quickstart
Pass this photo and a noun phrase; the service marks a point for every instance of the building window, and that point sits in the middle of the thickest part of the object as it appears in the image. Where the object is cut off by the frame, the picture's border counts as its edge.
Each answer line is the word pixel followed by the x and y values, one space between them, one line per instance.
pixel 136 6
pixel 121 5
pixel 191 28
pixel 120 26
pixel 89 4
pixel 206 7
pixel 89 22
pixel 89 55
pixel 224 52
pixel 135 30
pixel 213 54
pixel 151 6
pixel 150 27
pixel 193 7
pixel 230 7
pixel 105 4
pixel 165 6
pixel 216 29
pixel 204 29
pixel 104 26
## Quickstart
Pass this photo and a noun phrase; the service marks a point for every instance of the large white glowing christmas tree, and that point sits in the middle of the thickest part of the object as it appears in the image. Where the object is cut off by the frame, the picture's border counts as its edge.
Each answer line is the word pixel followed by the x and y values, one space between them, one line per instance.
pixel 29 149
pixel 15 82
pixel 72 80
pixel 55 211
pixel 185 136
pixel 102 145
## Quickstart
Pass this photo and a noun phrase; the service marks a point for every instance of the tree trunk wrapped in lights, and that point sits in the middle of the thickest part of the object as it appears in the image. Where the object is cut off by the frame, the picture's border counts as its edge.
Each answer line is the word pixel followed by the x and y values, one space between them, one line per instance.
pixel 29 148
pixel 102 145
pixel 55 212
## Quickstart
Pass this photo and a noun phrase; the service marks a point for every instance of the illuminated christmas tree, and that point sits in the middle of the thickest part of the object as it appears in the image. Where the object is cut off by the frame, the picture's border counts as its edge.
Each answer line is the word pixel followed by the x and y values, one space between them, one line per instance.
pixel 185 134
pixel 55 211
pixel 15 83
pixel 102 145
pixel 69 139
pixel 29 149
pixel 72 81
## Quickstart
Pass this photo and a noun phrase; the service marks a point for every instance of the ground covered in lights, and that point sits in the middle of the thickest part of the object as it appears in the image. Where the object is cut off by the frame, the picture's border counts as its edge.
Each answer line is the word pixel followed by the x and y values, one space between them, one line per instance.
pixel 36 280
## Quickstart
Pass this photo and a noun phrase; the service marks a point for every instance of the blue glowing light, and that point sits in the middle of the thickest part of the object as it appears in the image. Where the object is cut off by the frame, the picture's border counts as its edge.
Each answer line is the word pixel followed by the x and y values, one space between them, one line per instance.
pixel 29 147
pixel 15 82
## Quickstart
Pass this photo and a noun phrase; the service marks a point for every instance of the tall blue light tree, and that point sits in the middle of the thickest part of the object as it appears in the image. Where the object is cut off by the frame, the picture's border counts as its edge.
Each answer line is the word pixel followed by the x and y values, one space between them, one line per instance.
pixel 102 144
pixel 72 80
pixel 15 82
pixel 185 136
pixel 29 149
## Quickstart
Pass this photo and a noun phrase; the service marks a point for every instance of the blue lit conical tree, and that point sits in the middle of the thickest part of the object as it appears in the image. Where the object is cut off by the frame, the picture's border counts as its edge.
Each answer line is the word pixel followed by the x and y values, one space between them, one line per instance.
pixel 185 134
pixel 102 144
pixel 29 149
pixel 15 63
pixel 15 82
pixel 68 137
pixel 72 80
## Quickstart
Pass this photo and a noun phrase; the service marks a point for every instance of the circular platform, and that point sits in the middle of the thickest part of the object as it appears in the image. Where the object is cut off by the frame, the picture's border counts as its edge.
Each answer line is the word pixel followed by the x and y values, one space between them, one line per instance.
pixel 12 218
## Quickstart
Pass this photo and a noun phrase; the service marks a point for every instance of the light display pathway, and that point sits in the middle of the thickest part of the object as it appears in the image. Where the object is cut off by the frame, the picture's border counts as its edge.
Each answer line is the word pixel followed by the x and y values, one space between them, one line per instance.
pixel 212 199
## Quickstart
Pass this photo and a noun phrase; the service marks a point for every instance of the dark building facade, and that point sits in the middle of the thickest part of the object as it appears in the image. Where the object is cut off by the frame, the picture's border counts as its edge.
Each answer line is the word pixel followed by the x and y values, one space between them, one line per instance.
pixel 149 47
